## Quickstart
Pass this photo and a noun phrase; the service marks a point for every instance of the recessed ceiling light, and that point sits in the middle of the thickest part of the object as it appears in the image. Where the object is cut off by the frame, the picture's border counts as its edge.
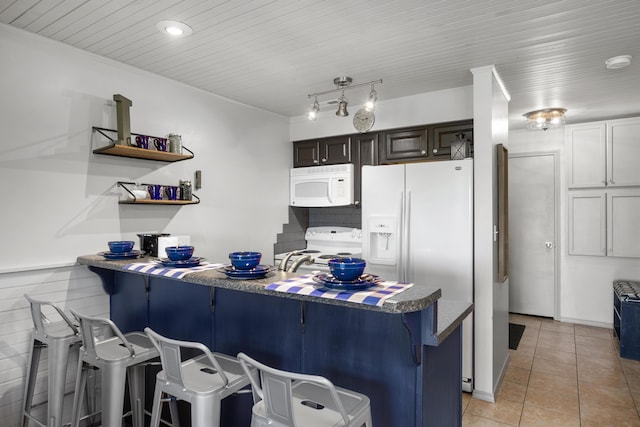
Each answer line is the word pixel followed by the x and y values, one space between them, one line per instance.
pixel 174 28
pixel 618 62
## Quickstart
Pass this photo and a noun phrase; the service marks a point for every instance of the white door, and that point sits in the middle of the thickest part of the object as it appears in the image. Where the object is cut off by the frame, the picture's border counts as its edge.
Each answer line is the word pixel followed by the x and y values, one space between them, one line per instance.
pixel 532 233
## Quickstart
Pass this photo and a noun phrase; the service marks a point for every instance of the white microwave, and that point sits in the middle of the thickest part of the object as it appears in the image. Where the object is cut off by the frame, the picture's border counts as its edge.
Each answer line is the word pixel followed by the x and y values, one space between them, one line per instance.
pixel 321 186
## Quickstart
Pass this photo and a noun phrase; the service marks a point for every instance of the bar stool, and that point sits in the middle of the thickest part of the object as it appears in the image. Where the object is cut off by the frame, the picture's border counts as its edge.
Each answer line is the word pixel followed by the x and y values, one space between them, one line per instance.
pixel 203 381
pixel 59 337
pixel 287 399
pixel 120 358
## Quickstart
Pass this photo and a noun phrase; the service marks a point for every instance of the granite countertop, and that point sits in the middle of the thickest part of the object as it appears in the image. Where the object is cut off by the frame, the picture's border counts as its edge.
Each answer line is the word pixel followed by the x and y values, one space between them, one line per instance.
pixel 416 298
pixel 449 313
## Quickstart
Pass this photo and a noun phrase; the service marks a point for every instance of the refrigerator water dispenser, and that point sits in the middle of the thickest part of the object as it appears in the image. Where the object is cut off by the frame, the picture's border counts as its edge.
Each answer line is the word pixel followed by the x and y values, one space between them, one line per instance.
pixel 383 240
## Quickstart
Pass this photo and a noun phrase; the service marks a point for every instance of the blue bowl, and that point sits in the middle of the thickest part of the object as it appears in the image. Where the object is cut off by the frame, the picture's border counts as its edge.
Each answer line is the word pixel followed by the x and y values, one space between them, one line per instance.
pixel 120 246
pixel 347 269
pixel 179 253
pixel 245 260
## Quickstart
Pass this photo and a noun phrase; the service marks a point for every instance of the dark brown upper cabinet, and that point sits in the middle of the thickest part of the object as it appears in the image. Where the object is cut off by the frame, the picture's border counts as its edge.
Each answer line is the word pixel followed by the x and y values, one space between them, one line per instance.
pixel 403 145
pixel 442 135
pixel 319 152
pixel 365 152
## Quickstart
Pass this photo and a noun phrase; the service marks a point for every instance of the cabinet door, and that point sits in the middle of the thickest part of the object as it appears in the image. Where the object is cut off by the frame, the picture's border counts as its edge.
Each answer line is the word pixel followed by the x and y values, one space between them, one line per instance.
pixel 587 225
pixel 443 136
pixel 335 150
pixel 623 219
pixel 365 152
pixel 403 145
pixel 586 154
pixel 305 153
pixel 623 152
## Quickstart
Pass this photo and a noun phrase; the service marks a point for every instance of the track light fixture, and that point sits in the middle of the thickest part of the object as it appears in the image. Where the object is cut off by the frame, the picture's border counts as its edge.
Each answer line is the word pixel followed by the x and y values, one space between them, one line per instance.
pixel 343 83
pixel 342 106
pixel 370 105
pixel 315 109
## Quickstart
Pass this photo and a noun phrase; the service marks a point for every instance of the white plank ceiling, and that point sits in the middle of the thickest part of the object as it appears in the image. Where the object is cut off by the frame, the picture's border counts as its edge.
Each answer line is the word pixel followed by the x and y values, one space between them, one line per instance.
pixel 272 53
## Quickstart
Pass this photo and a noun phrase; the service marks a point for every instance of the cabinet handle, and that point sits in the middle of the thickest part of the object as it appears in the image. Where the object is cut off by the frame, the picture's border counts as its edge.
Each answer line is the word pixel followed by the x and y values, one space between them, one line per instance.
pixel 604 181
pixel 423 152
pixel 315 161
pixel 324 160
pixel 611 181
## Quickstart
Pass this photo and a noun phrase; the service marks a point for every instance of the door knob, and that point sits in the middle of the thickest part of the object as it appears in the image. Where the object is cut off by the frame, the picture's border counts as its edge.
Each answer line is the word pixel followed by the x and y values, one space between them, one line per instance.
pixel 549 245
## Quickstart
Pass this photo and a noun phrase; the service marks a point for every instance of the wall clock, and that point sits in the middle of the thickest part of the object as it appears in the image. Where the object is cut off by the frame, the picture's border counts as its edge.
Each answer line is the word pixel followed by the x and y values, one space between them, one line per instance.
pixel 363 120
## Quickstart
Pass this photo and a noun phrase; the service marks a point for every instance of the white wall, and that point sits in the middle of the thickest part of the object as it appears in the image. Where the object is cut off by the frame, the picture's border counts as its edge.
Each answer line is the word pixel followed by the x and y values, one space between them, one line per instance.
pixel 425 108
pixel 490 127
pixel 61 200
pixel 585 281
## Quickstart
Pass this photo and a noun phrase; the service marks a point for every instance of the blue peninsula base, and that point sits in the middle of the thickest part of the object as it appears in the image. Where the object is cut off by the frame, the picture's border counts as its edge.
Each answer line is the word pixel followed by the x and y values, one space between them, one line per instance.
pixel 411 373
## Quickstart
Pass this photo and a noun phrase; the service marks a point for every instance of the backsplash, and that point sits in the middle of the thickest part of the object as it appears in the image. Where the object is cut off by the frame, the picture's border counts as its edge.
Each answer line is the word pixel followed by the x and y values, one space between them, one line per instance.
pixel 344 216
pixel 292 236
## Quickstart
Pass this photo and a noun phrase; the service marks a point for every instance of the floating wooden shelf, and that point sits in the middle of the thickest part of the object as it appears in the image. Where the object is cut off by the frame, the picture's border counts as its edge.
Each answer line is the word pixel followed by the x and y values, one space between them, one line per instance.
pixel 132 200
pixel 159 202
pixel 141 153
pixel 115 149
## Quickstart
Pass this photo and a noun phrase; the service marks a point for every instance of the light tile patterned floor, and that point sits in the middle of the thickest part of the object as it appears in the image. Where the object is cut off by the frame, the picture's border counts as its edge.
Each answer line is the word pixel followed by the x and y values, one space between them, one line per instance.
pixel 562 375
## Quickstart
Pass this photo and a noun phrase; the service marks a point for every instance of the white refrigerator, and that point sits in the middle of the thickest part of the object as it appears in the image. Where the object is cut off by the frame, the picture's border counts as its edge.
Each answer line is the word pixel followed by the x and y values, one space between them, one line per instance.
pixel 417 223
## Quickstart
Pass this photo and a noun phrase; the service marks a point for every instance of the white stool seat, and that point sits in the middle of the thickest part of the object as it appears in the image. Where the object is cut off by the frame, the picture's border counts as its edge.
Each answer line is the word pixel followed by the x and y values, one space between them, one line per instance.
pixel 200 379
pixel 287 399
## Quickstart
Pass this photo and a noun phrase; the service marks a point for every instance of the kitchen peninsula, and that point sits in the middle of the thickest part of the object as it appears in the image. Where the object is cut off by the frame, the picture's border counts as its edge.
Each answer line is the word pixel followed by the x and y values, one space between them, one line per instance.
pixel 405 354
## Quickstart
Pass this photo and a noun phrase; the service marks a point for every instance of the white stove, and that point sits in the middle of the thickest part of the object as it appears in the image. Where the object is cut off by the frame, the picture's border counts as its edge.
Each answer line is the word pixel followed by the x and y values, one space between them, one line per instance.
pixel 324 243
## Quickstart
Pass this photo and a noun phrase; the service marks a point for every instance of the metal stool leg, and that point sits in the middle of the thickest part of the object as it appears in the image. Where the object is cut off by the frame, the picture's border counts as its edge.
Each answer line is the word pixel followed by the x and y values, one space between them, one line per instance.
pixel 173 410
pixel 157 406
pixel 158 397
pixel 30 383
pixel 81 382
pixel 58 355
pixel 205 413
pixel 136 391
pixel 113 386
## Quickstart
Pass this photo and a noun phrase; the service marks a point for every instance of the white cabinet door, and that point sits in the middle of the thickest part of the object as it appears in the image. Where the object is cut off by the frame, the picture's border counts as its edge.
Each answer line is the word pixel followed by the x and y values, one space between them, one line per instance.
pixel 586 155
pixel 587 223
pixel 623 223
pixel 623 152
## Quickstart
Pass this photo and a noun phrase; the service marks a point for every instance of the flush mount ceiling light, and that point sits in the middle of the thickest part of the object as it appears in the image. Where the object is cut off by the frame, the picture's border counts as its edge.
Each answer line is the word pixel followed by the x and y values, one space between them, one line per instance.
pixel 618 62
pixel 174 28
pixel 343 83
pixel 547 118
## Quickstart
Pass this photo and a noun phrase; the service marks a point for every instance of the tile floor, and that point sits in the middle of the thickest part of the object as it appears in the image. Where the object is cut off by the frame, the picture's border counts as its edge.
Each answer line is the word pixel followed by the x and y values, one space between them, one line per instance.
pixel 562 375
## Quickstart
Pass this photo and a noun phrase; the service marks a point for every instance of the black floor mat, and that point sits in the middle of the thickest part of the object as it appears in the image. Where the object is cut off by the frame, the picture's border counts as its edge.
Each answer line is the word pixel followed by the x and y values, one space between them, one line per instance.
pixel 515 333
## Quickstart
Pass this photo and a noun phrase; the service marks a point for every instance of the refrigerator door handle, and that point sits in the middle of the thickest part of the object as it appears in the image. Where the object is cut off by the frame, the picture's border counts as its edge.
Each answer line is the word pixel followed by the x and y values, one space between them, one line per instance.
pixel 405 238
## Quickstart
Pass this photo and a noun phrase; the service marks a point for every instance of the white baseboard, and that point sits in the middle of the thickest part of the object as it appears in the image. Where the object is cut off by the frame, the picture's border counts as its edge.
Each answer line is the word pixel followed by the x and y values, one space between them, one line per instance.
pixel 587 322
